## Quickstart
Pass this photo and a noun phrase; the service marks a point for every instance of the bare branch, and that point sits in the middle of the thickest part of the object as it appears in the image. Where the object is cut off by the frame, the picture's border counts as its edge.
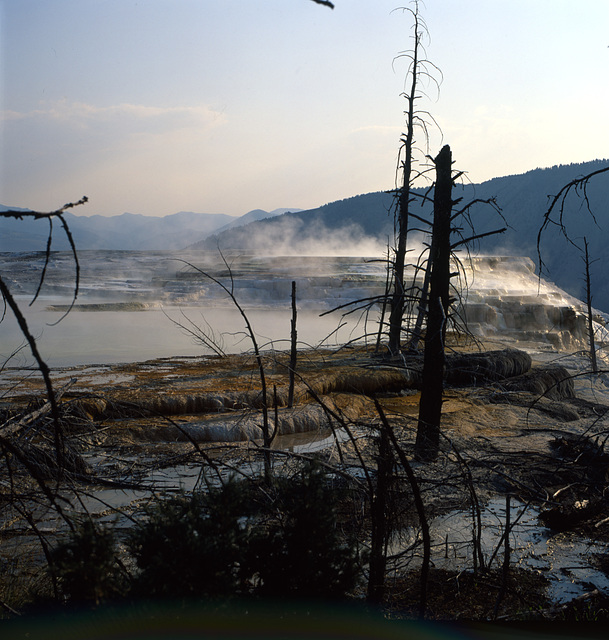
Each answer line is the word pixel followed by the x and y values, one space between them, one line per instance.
pixel 477 237
pixel 58 213
pixel 557 202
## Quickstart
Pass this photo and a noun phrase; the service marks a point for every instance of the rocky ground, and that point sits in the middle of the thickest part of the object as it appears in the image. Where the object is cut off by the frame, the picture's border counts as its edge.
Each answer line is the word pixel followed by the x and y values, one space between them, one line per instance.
pixel 512 425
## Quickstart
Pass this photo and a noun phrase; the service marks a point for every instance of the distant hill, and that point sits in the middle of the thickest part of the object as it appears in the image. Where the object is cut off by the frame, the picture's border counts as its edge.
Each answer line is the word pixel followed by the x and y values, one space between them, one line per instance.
pixel 253 216
pixel 127 231
pixel 523 200
pixel 338 224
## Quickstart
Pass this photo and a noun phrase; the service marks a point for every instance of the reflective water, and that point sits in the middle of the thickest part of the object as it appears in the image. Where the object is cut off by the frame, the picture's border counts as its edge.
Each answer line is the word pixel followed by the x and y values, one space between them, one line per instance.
pixel 131 304
pixel 566 560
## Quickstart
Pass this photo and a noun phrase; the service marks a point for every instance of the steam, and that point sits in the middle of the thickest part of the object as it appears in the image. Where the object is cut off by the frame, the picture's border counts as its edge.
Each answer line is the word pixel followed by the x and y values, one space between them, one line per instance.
pixel 289 236
pixel 490 276
pixel 502 295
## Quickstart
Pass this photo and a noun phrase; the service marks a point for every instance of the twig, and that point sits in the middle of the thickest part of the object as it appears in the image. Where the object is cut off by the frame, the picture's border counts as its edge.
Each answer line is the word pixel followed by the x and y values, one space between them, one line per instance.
pixel 506 558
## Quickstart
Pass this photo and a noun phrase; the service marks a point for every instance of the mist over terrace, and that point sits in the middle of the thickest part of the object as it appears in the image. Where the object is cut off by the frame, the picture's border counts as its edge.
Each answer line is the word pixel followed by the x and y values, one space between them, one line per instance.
pixel 139 305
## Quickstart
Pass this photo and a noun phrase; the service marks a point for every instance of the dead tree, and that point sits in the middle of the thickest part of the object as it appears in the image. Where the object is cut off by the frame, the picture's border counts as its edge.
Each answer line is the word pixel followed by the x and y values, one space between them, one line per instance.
pixel 293 347
pixel 267 436
pixel 592 345
pixel 10 303
pixel 414 119
pixel 430 407
pixel 399 293
pixel 555 216
pixel 555 213
pixel 11 450
pixel 439 300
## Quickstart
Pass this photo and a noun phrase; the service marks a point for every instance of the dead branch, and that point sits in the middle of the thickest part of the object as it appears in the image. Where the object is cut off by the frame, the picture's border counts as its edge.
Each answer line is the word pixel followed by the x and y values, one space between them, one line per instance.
pixel 42 365
pixel 58 213
pixel 268 440
pixel 477 237
pixel 8 429
pixel 579 186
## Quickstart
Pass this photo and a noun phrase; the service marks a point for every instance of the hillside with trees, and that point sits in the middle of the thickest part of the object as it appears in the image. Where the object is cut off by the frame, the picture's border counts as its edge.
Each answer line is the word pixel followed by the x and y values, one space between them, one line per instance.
pixel 523 200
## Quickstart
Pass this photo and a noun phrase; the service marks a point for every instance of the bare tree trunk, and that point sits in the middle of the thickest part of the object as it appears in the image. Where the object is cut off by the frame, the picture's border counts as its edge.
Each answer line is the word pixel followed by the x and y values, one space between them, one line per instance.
pixel 589 304
pixel 293 344
pixel 417 332
pixel 399 290
pixel 396 315
pixel 379 533
pixel 430 407
pixel 385 302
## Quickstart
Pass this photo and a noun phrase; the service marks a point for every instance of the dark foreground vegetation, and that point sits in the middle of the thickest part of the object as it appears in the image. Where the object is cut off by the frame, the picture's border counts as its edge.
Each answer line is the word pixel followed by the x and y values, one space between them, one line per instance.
pixel 346 529
pixel 295 556
pixel 240 540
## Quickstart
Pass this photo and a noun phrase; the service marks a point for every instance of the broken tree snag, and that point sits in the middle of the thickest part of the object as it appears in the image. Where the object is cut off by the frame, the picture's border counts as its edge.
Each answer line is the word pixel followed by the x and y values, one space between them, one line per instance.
pixel 430 407
pixel 293 348
pixel 593 361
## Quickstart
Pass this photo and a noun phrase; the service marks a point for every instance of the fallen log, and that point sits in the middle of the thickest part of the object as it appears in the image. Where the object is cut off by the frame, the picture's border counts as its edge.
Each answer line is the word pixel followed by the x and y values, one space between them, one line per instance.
pixel 478 369
pixel 11 428
pixel 553 382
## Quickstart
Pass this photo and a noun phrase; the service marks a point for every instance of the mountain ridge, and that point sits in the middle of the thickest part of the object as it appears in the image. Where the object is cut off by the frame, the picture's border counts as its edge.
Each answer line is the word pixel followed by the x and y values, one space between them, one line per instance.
pixel 126 231
pixel 523 199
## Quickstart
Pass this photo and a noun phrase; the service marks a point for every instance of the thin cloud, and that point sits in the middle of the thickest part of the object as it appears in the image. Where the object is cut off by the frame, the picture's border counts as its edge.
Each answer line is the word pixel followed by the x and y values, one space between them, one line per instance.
pixel 123 117
pixel 378 128
pixel 65 146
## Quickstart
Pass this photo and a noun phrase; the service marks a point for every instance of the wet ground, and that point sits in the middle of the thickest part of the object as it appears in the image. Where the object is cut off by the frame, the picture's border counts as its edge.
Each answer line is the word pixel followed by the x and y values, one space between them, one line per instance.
pixel 143 429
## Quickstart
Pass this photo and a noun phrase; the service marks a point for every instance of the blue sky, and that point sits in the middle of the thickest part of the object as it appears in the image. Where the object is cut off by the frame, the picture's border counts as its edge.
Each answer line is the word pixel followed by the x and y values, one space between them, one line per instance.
pixel 222 106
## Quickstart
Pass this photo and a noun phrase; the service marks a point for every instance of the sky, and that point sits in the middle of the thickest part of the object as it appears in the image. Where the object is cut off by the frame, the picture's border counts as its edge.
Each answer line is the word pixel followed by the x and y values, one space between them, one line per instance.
pixel 224 106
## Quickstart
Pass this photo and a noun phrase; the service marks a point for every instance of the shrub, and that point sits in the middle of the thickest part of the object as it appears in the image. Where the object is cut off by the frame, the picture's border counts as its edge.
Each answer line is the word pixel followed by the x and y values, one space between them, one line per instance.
pixel 192 545
pixel 86 567
pixel 279 541
pixel 303 554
